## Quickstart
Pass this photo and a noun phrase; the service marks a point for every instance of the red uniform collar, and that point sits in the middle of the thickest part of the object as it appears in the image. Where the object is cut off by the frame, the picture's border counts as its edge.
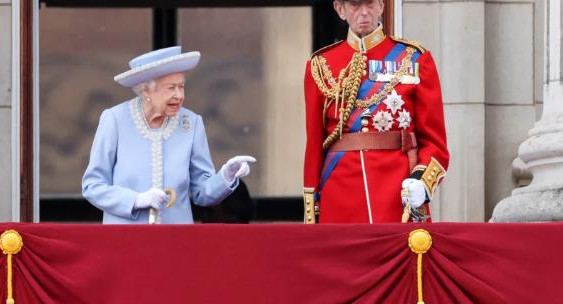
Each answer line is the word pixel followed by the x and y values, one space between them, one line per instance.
pixel 365 43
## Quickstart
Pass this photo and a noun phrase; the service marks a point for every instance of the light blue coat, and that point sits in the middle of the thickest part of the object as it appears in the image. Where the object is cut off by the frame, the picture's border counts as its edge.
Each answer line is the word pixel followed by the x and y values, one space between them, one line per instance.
pixel 128 158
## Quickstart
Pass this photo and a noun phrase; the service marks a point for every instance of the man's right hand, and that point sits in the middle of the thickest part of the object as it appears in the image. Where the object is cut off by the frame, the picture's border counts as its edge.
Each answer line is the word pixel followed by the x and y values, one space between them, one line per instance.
pixel 153 198
pixel 415 194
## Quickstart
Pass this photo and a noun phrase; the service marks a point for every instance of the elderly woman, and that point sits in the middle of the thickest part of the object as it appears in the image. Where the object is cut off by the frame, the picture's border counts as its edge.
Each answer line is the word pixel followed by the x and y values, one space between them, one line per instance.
pixel 151 143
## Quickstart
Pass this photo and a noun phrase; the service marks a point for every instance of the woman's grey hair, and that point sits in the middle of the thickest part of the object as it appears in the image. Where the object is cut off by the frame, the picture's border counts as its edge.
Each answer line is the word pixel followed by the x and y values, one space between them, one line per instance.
pixel 149 85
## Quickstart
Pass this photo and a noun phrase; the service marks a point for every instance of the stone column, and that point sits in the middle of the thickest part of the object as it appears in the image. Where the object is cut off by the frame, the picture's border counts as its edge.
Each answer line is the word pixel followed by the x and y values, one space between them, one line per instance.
pixel 509 91
pixel 542 152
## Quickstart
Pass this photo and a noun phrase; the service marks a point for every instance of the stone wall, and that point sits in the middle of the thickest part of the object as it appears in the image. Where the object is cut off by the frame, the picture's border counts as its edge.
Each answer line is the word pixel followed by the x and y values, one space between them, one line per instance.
pixel 487 56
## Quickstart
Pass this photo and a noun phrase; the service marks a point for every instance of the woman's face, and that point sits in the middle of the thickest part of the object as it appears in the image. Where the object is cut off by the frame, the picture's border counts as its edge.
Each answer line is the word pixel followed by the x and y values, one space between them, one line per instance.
pixel 168 95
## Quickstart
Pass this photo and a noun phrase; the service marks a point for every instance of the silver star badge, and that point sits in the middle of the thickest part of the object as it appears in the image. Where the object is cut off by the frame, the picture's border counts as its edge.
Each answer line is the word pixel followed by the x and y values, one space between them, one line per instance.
pixel 404 119
pixel 394 102
pixel 383 121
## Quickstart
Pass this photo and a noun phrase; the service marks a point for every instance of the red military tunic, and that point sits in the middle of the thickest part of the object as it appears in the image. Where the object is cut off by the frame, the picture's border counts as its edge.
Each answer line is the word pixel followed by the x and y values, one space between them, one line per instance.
pixel 364 186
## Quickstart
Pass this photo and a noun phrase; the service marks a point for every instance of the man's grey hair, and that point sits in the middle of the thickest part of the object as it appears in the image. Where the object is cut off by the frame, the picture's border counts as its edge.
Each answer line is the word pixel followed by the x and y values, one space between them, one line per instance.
pixel 150 85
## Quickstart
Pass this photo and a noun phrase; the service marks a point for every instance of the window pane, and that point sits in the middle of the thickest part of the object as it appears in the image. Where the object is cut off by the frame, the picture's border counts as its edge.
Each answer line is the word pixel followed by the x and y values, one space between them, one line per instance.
pixel 81 50
pixel 249 88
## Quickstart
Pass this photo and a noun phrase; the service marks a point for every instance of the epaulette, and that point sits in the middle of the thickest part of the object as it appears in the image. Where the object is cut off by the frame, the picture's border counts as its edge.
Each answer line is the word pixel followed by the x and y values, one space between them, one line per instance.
pixel 412 43
pixel 326 48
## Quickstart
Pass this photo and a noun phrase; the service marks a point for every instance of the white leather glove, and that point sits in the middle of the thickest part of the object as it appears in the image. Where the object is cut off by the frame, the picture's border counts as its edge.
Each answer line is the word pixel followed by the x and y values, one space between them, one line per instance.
pixel 153 198
pixel 416 193
pixel 236 167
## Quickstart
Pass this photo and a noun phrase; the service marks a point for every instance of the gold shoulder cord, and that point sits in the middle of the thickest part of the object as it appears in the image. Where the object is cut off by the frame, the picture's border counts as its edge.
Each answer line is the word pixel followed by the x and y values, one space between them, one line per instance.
pixel 320 73
pixel 412 43
pixel 346 88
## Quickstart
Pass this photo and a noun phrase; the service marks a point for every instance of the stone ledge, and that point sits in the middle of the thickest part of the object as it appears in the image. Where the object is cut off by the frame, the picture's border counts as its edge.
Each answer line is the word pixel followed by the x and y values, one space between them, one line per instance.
pixel 544 206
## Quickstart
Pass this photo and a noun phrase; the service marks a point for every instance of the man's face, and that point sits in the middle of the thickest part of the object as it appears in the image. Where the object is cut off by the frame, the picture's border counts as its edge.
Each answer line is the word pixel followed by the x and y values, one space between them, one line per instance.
pixel 362 15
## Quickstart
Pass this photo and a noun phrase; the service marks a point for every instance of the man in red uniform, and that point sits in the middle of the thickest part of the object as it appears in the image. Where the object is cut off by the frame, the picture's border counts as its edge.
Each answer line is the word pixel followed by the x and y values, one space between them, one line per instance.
pixel 376 140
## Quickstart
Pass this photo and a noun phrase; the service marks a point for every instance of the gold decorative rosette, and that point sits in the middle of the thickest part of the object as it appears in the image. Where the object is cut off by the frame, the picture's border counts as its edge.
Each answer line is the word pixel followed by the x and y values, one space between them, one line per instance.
pixel 419 242
pixel 11 243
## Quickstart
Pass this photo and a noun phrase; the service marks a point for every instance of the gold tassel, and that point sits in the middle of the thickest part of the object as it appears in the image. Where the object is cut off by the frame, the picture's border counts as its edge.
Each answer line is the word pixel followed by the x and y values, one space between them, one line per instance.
pixel 10 243
pixel 326 105
pixel 340 123
pixel 419 242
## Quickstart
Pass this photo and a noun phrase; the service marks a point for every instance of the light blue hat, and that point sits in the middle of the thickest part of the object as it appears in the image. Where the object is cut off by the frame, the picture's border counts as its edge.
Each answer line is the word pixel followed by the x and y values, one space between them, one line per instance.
pixel 156 64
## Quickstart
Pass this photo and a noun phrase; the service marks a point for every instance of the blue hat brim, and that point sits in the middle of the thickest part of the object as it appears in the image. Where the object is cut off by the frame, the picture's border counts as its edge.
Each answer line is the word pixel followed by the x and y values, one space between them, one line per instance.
pixel 175 64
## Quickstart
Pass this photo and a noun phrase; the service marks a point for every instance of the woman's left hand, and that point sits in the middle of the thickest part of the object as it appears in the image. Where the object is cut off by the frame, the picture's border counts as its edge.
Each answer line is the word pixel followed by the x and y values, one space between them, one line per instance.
pixel 236 167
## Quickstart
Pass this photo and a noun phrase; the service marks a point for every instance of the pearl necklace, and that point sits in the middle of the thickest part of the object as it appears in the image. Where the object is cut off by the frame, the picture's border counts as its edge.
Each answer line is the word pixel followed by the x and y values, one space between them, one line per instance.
pixel 156 136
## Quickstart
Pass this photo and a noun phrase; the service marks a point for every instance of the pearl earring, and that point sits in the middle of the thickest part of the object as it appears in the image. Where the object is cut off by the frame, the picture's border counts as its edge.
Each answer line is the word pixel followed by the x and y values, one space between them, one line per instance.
pixel 149 99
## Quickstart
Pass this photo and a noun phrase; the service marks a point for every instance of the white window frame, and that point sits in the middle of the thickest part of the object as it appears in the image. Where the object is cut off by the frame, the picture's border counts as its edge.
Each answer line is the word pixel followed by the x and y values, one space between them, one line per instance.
pixel 398 18
pixel 16 111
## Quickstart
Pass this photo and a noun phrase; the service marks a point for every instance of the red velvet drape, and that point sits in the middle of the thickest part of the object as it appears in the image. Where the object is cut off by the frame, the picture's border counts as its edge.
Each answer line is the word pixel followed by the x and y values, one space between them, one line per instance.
pixel 468 263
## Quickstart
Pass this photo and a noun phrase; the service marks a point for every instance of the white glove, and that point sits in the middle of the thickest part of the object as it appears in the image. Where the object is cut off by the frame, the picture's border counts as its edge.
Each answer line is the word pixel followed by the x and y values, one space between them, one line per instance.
pixel 152 198
pixel 236 167
pixel 416 193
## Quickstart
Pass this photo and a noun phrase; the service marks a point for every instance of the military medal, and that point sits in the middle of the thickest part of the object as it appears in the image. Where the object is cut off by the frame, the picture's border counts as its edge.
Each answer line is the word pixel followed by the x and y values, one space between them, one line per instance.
pixel 384 71
pixel 380 70
pixel 389 67
pixel 366 115
pixel 411 77
pixel 374 69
